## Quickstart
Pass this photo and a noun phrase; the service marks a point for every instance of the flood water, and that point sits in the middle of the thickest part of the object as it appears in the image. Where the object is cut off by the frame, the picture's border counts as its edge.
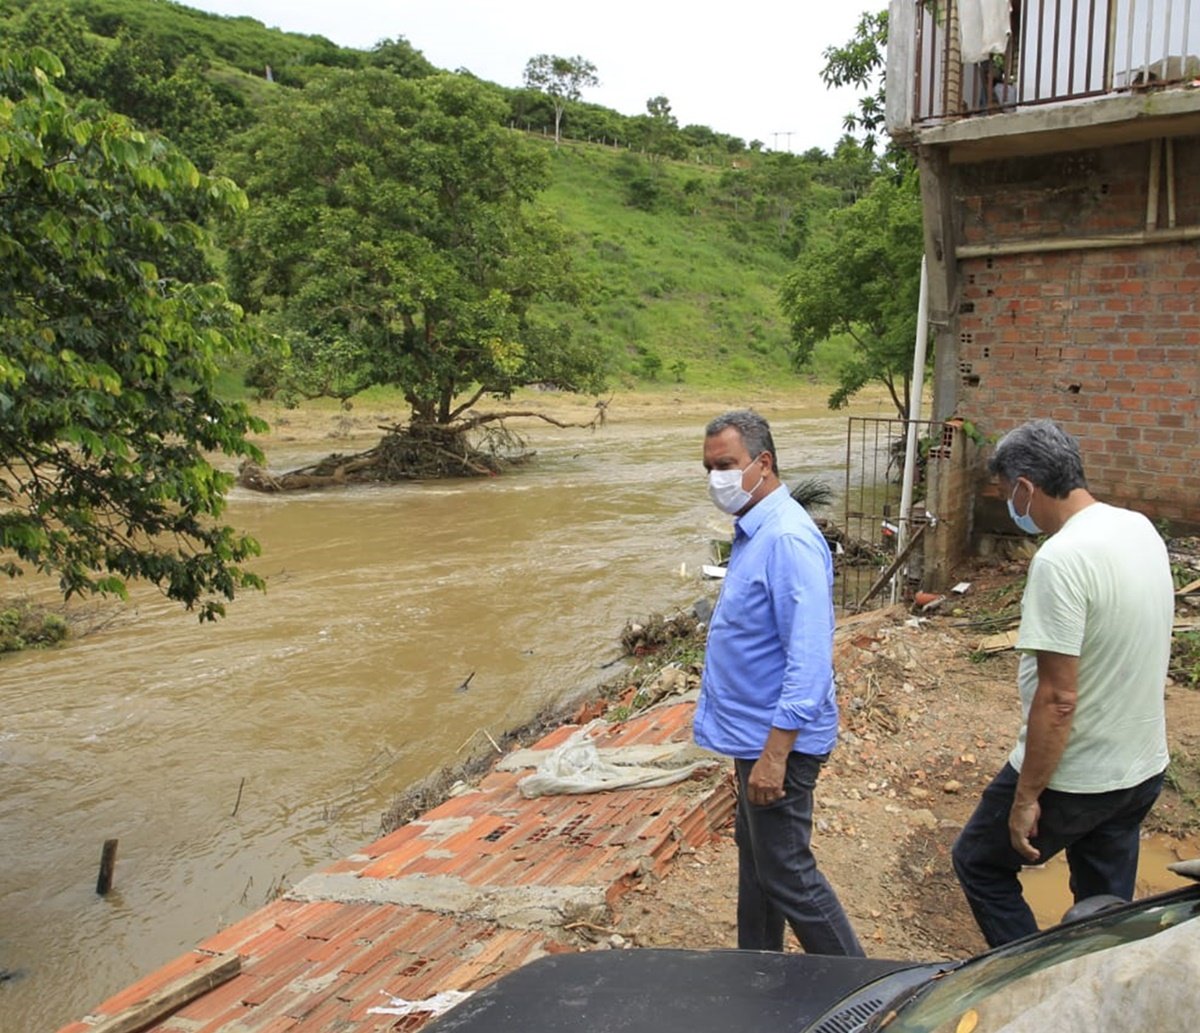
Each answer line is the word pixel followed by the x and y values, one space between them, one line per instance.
pixel 309 708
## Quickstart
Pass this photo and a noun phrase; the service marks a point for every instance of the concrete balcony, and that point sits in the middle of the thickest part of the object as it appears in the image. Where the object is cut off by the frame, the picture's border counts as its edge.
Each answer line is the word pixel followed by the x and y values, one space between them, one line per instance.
pixel 984 79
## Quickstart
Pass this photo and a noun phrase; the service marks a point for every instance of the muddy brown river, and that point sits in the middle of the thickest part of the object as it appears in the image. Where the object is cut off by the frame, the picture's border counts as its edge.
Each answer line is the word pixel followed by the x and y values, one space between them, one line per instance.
pixel 232 760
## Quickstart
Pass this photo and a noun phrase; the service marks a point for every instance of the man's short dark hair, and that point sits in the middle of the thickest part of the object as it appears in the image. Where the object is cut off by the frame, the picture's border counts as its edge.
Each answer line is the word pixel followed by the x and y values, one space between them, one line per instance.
pixel 1041 452
pixel 754 430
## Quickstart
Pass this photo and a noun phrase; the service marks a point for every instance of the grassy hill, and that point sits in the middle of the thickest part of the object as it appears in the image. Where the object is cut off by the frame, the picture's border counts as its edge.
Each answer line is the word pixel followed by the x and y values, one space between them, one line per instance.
pixel 686 286
pixel 685 257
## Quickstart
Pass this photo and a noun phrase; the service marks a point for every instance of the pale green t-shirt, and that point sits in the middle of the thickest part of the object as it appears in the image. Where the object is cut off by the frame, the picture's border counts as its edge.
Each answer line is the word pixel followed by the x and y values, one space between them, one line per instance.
pixel 1100 589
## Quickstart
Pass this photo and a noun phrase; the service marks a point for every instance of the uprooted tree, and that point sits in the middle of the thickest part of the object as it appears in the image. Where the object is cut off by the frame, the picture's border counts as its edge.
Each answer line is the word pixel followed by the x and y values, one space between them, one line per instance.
pixel 392 239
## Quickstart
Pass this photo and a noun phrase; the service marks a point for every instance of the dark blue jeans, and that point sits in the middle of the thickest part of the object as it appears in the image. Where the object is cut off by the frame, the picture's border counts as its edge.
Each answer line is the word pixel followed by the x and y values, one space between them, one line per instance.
pixel 1099 832
pixel 778 879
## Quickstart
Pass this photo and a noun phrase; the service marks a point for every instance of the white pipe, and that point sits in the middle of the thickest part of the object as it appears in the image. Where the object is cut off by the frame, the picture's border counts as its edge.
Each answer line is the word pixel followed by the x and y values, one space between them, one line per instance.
pixel 1170 159
pixel 1152 190
pixel 914 416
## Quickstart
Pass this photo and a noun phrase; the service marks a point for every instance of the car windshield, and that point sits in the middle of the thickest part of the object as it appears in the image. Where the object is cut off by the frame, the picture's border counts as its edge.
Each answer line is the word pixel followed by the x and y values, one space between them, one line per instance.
pixel 944 1002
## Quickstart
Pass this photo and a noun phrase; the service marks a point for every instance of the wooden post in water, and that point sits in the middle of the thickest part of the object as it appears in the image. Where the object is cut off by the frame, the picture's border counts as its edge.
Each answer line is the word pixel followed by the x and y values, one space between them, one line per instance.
pixel 108 861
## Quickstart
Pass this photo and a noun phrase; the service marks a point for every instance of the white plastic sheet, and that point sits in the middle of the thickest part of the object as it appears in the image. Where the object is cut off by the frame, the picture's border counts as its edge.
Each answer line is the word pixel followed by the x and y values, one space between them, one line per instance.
pixel 576 766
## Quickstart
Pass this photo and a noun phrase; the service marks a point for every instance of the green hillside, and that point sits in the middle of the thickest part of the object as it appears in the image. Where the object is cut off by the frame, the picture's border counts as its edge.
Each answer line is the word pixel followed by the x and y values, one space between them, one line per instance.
pixel 682 236
pixel 687 291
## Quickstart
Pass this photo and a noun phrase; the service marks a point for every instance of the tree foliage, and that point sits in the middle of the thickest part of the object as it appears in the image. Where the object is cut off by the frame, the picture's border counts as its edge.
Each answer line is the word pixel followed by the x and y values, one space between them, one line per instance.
pixel 111 338
pixel 562 79
pixel 860 276
pixel 860 62
pixel 392 240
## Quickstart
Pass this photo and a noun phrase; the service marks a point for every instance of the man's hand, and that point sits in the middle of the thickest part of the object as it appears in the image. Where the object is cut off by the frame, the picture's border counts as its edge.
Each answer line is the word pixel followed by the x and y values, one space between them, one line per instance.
pixel 1047 730
pixel 1022 827
pixel 765 784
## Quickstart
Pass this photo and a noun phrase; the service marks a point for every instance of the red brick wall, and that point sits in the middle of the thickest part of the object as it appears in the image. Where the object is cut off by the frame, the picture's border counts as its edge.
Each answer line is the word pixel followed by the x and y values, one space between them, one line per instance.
pixel 1105 341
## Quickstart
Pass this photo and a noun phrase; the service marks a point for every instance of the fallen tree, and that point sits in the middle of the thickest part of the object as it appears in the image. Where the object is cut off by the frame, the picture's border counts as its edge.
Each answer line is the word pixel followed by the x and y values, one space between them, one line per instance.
pixel 479 445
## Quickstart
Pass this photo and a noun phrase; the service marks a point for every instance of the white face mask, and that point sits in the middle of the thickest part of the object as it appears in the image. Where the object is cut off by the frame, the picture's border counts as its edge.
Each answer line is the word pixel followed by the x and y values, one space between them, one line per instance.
pixel 726 491
pixel 1023 520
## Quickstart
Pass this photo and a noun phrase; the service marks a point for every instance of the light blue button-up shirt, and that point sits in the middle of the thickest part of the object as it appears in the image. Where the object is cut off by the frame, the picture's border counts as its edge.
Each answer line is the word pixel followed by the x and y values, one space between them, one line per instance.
pixel 769 659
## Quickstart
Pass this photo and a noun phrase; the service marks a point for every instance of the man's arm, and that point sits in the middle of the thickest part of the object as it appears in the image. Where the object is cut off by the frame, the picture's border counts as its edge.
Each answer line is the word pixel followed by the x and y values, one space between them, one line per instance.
pixel 1049 727
pixel 802 612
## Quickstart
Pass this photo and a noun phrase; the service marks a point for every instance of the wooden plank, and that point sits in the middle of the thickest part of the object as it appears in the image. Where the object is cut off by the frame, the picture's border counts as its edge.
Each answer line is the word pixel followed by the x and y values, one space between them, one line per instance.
pixel 204 977
pixel 886 576
pixel 108 862
pixel 1008 639
pixel 1188 589
pixel 998 643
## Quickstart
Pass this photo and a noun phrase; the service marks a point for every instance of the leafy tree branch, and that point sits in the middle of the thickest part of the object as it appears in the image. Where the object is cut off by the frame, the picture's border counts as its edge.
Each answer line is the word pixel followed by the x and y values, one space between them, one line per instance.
pixel 112 333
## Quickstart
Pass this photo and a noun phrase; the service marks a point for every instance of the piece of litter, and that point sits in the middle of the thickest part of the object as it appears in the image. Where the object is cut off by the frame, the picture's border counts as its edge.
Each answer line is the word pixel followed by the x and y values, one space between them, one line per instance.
pixel 999 642
pixel 961 588
pixel 712 570
pixel 438 1004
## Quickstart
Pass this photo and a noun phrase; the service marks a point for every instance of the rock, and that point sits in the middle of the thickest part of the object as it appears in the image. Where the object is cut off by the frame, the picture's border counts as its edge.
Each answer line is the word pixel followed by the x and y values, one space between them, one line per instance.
pixel 923 818
pixel 917 793
pixel 617 940
pixel 952 786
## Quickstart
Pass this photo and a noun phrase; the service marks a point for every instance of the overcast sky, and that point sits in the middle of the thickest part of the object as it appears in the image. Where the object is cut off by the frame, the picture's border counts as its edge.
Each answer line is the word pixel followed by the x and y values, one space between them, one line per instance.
pixel 750 68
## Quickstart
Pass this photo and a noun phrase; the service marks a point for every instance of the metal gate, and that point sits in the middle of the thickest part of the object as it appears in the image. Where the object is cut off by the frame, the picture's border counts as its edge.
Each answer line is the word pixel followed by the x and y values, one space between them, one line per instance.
pixel 869 566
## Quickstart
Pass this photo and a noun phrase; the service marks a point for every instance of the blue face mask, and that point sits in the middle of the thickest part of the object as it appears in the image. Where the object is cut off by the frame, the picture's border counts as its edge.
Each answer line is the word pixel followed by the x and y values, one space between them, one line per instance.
pixel 1024 522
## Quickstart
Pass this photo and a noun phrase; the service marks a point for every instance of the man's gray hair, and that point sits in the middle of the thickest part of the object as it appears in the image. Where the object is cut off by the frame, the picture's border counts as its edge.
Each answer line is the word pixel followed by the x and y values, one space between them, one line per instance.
pixel 755 432
pixel 1041 452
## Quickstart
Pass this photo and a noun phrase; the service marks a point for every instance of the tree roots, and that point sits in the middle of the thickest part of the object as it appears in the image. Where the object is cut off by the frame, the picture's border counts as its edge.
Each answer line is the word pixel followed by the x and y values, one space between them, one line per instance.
pixel 481 445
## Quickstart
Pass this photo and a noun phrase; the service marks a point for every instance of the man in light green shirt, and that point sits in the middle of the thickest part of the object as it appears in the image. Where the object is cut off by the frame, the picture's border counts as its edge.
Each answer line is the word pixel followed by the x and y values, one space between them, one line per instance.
pixel 1095 641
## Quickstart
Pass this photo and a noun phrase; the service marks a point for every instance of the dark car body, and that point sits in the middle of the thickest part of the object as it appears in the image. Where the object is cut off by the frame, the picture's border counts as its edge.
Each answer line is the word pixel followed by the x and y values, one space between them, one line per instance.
pixel 718 991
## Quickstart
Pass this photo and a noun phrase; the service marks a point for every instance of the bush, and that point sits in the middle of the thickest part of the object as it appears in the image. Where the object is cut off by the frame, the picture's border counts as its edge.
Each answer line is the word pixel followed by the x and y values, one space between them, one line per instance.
pixel 643 192
pixel 28 627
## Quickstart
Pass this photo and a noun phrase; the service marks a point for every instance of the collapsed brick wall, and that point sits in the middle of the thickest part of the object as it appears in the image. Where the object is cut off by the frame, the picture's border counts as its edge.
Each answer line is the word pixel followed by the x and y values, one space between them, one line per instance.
pixel 1105 341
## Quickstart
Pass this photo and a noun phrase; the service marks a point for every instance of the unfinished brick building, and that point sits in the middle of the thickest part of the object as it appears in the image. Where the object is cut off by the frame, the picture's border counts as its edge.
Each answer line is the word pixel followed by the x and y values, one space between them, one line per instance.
pixel 1059 149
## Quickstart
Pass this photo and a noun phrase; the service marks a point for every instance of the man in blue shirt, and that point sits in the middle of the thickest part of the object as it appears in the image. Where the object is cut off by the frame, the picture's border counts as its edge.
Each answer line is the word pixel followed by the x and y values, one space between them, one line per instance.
pixel 767 698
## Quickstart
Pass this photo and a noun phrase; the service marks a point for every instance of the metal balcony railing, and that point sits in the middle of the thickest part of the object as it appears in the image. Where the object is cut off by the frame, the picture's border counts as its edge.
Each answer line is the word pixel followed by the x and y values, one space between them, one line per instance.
pixel 1053 50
